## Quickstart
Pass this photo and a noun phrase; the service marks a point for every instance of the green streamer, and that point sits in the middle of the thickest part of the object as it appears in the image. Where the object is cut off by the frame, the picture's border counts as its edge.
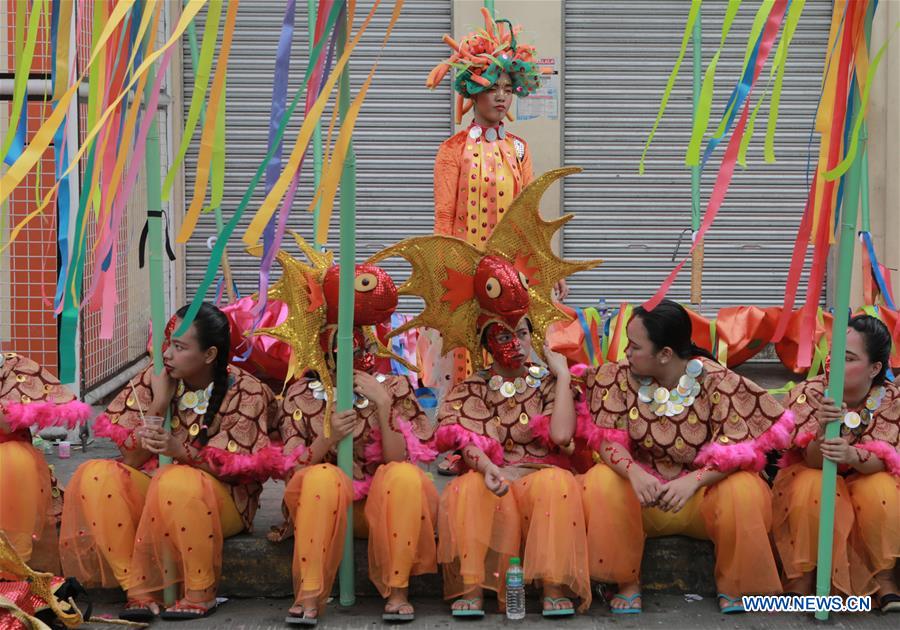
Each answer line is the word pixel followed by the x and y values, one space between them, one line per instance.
pixel 23 69
pixel 793 18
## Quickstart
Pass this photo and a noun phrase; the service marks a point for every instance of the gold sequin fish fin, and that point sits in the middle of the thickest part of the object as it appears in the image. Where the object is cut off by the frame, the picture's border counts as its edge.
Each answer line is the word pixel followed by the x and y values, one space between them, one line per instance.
pixel 524 235
pixel 306 314
pixel 384 352
pixel 431 257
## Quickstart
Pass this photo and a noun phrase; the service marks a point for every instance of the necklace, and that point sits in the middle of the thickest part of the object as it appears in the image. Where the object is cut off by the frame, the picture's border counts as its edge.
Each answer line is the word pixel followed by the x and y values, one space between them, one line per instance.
pixel 491 134
pixel 197 401
pixel 671 402
pixel 536 374
pixel 359 401
pixel 853 419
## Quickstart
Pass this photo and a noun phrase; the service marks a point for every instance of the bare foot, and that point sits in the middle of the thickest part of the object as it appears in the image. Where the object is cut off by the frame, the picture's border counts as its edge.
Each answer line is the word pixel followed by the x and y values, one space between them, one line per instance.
pixel 473 600
pixel 305 607
pixel 802 585
pixel 398 602
pixel 555 598
pixel 627 597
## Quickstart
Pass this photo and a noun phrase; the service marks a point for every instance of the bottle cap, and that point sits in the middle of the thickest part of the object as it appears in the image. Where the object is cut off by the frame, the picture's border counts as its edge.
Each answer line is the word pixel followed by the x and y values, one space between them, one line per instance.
pixel 515 562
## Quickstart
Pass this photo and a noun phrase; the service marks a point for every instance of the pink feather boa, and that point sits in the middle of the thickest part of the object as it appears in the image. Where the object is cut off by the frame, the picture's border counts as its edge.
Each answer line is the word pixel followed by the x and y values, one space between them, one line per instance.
pixel 886 453
pixel 46 414
pixel 453 437
pixel 416 450
pixel 795 455
pixel 751 454
pixel 593 435
pixel 103 427
pixel 361 487
pixel 263 464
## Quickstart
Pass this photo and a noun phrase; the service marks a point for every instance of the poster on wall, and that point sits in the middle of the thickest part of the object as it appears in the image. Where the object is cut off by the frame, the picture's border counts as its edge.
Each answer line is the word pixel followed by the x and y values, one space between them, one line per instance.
pixel 543 103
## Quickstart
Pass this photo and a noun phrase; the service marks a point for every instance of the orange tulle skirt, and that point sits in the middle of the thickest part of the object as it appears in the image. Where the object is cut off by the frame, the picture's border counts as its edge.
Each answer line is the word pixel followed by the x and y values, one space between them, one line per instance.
pixel 317 498
pixel 866 526
pixel 120 528
pixel 401 514
pixel 398 517
pixel 25 505
pixel 479 532
pixel 735 513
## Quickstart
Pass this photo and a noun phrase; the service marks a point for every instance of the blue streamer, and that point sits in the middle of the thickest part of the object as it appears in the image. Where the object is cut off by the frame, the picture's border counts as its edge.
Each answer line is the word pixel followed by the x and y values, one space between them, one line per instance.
pixel 876 270
pixel 61 165
pixel 587 335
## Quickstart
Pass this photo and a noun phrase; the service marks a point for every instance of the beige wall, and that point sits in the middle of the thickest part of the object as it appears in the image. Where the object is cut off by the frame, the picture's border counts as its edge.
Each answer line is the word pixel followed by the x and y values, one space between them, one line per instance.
pixel 541 22
pixel 884 150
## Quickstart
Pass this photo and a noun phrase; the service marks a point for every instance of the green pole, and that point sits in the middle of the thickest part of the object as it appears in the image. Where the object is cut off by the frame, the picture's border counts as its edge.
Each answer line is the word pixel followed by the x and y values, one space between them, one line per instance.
pixel 489 5
pixel 697 256
pixel 846 246
pixel 345 314
pixel 152 161
pixel 317 132
pixel 220 223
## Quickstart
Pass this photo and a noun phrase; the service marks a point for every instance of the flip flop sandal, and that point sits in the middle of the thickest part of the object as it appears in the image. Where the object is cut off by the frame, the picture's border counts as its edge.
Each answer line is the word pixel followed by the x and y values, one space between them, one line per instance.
pixel 453 464
pixel 398 617
pixel 309 622
pixel 631 609
pixel 194 611
pixel 733 605
pixel 471 613
pixel 138 610
pixel 558 612
pixel 889 603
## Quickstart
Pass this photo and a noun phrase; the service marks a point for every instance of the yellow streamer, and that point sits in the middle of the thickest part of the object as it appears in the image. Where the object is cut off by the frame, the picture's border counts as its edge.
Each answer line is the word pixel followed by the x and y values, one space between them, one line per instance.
pixel 208 137
pixel 45 134
pixel 253 233
pixel 62 49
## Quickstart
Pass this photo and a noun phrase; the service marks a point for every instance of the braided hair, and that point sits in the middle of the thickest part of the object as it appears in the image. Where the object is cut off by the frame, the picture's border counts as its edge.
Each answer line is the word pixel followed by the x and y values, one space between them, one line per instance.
pixel 212 330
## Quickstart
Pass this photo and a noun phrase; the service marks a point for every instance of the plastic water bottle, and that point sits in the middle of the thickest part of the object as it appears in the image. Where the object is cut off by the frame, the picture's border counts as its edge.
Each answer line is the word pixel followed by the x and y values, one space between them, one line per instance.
pixel 515 590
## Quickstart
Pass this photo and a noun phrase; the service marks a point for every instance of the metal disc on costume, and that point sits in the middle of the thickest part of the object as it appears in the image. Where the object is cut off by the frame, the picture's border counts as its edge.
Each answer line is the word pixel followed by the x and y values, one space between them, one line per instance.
pixel 677 408
pixel 319 394
pixel 475 132
pixel 200 409
pixel 661 395
pixel 532 382
pixel 852 420
pixel 536 371
pixel 194 431
pixel 495 382
pixel 2 360
pixel 508 389
pixel 316 386
pixel 490 134
pixel 176 424
pixel 694 368
pixel 871 404
pixel 361 403
pixel 660 410
pixel 523 418
pixel 190 399
pixel 695 390
pixel 520 385
pixel 644 394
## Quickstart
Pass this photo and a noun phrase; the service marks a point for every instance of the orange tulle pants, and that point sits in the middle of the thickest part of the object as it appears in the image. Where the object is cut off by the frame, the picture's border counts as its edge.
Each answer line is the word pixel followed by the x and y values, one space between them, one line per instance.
pixel 479 532
pixel 400 513
pixel 866 526
pixel 735 513
pixel 25 505
pixel 122 528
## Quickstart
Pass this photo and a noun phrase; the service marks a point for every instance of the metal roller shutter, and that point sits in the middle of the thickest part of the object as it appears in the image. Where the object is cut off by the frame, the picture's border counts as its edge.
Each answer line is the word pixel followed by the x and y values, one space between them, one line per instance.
pixel 617 58
pixel 396 137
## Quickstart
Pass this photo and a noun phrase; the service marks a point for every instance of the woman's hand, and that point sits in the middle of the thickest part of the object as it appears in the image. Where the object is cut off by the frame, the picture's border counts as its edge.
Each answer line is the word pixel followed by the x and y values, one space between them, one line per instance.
pixel 839 451
pixel 826 412
pixel 342 424
pixel 162 388
pixel 494 480
pixel 556 363
pixel 646 486
pixel 367 385
pixel 160 442
pixel 675 494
